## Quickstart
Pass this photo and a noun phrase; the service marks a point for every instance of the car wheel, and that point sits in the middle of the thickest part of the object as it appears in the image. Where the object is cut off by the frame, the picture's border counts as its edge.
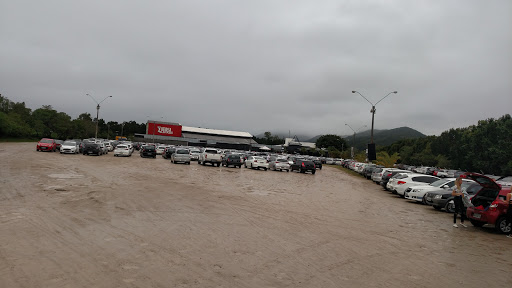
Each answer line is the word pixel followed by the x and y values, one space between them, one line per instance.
pixel 313 172
pixel 437 207
pixel 245 165
pixel 264 168
pixel 218 165
pixel 450 207
pixel 502 226
pixel 476 223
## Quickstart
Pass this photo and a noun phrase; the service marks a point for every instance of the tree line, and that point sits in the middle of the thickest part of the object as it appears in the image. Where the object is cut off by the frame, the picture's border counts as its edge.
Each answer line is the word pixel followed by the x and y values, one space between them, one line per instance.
pixel 18 121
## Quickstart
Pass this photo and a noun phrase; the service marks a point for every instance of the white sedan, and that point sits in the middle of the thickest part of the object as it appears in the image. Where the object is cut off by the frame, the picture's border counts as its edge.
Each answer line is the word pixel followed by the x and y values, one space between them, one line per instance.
pixel 402 181
pixel 256 162
pixel 123 150
pixel 69 147
pixel 417 193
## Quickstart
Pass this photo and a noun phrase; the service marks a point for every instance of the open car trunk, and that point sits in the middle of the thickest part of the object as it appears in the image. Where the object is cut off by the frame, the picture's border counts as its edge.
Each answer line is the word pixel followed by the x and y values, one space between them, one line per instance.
pixel 484 198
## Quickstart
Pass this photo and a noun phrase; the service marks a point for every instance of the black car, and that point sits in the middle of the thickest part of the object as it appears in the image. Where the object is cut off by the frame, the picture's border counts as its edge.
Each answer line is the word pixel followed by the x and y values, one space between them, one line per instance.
pixel 92 149
pixel 168 152
pixel 303 165
pixel 443 198
pixel 148 151
pixel 232 160
pixel 318 163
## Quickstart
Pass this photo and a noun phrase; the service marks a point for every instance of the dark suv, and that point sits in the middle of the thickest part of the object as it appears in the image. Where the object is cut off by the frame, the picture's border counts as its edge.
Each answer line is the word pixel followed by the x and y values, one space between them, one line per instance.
pixel 303 165
pixel 92 148
pixel 148 151
pixel 489 204
pixel 234 160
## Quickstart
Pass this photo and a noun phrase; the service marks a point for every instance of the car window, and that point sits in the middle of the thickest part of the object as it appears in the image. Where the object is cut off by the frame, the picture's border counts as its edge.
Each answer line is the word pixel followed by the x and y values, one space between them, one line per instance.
pixel 438 183
pixel 210 151
pixel 122 146
pixel 182 151
pixel 506 179
pixel 282 160
pixel 46 141
pixel 69 143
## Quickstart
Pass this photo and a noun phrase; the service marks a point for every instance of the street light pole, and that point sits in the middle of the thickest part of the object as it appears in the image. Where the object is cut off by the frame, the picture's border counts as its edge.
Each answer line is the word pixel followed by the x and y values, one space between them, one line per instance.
pixel 122 128
pixel 373 106
pixel 97 112
pixel 354 138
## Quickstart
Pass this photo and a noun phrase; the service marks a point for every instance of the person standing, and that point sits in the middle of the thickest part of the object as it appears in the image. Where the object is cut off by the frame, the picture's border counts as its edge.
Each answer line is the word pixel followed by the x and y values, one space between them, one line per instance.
pixel 509 212
pixel 459 206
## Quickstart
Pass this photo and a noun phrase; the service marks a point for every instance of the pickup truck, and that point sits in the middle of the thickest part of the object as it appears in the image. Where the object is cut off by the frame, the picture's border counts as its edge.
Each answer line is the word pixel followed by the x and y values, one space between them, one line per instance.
pixel 211 156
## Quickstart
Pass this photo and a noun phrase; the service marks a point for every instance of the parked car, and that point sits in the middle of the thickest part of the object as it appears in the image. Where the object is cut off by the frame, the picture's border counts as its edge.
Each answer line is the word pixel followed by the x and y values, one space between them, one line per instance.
pixel 489 206
pixel 505 181
pixel 390 174
pixel 401 182
pixel 103 147
pixel 279 164
pixel 46 144
pixel 443 198
pixel 92 149
pixel 318 163
pixel 160 149
pixel 181 155
pixel 256 162
pixel 194 154
pixel 303 165
pixel 69 147
pixel 122 150
pixel 168 152
pixel 417 193
pixel 148 151
pixel 210 155
pixel 234 160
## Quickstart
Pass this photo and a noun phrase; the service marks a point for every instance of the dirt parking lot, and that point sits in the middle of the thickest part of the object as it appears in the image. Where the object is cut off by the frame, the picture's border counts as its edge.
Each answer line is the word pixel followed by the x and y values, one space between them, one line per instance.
pixel 89 221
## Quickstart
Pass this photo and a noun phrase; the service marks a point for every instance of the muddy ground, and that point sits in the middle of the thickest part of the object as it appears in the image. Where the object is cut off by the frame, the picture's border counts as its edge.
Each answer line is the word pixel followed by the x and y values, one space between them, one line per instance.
pixel 88 221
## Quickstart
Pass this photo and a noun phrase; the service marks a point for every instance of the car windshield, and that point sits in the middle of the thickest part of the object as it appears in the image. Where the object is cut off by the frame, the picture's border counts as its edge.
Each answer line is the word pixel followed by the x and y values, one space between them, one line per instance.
pixel 234 157
pixel 46 141
pixel 438 183
pixel 182 151
pixel 259 158
pixel 210 151
pixel 194 151
pixel 69 143
pixel 121 147
pixel 282 160
pixel 506 179
pixel 149 147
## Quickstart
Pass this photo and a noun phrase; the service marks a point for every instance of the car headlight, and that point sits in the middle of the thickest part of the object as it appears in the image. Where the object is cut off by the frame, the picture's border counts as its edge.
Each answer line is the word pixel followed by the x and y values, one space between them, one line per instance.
pixel 438 196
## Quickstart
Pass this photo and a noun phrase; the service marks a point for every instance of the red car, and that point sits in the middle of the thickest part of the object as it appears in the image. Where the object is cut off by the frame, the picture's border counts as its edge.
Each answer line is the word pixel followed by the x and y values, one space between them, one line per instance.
pixel 489 204
pixel 46 144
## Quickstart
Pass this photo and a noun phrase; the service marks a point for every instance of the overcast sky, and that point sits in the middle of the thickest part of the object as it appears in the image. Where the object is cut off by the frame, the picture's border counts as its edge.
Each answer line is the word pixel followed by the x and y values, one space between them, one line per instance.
pixel 260 66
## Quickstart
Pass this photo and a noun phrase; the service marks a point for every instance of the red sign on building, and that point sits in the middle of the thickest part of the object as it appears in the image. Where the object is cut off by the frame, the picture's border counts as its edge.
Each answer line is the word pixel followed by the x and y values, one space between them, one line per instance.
pixel 164 129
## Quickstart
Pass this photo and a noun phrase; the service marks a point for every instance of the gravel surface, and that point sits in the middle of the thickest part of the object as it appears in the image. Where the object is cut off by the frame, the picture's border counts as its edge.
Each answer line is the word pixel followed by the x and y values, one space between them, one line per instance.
pixel 105 221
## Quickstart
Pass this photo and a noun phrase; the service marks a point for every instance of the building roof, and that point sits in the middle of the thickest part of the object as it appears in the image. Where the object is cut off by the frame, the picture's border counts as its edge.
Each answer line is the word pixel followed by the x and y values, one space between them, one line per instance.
pixel 293 141
pixel 187 129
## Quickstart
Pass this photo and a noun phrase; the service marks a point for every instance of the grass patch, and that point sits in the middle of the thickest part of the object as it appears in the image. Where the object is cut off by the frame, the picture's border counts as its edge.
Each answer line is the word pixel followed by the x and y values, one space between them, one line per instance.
pixel 17 140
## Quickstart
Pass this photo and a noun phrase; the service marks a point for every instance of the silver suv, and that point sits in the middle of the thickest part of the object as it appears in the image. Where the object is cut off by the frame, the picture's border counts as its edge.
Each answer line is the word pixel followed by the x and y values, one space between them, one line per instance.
pixel 181 155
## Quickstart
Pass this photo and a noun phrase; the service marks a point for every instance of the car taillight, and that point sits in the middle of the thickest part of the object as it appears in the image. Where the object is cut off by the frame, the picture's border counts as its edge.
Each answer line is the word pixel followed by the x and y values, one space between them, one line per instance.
pixel 303 164
pixel 255 161
pixel 400 182
pixel 389 175
pixel 205 156
pixel 494 205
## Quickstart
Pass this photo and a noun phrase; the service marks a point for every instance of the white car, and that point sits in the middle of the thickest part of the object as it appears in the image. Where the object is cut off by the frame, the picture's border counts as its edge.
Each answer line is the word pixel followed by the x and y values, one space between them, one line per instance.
pixel 416 193
pixel 194 154
pixel 123 150
pixel 109 146
pixel 377 176
pixel 69 147
pixel 402 181
pixel 279 164
pixel 160 150
pixel 256 162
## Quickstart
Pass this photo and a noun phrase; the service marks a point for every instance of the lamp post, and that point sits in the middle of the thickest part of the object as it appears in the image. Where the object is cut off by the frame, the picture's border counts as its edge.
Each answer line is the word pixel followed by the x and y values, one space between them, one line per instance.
pixel 97 112
pixel 122 128
pixel 373 106
pixel 354 138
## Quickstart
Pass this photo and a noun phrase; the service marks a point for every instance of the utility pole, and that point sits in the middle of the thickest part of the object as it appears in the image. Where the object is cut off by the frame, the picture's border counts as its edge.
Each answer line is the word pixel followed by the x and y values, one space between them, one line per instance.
pixel 97 112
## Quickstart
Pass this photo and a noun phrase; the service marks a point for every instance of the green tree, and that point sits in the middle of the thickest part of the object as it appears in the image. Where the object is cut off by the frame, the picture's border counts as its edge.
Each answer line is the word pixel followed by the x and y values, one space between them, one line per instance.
pixel 329 140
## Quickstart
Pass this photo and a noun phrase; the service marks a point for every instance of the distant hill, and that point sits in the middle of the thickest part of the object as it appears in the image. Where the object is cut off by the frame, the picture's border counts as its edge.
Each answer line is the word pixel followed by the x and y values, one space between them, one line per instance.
pixel 380 137
pixel 383 137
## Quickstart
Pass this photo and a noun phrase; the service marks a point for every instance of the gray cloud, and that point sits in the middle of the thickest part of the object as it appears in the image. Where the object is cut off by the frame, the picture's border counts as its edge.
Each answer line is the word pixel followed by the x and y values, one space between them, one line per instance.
pixel 263 65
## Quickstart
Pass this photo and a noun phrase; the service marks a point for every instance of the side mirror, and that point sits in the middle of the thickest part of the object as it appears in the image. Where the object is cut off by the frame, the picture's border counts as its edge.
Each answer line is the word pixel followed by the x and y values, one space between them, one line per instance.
pixel 445 186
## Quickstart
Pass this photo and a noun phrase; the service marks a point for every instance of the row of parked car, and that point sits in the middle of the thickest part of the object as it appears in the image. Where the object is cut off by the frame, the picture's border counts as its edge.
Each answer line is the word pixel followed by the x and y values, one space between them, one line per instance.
pixel 485 193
